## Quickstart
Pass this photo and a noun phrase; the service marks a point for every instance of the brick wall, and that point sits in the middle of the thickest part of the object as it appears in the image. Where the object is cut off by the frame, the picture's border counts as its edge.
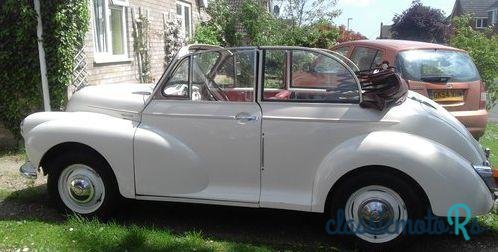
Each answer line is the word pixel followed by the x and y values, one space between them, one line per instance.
pixel 127 71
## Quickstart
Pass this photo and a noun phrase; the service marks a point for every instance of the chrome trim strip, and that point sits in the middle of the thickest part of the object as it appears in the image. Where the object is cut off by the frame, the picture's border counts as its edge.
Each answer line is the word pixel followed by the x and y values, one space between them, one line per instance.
pixel 338 120
pixel 198 116
pixel 113 109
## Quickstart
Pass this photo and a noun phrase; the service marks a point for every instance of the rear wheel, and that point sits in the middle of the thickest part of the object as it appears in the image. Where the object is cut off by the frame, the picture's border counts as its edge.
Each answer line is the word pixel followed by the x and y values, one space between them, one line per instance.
pixel 377 207
pixel 83 184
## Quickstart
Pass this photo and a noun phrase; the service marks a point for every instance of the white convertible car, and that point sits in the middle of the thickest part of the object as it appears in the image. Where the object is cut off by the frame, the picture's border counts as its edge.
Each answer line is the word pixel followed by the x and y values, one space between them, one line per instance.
pixel 272 127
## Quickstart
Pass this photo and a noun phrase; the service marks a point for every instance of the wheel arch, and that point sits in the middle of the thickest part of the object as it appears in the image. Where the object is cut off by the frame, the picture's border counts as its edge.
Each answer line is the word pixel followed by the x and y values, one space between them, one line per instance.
pixel 380 169
pixel 66 147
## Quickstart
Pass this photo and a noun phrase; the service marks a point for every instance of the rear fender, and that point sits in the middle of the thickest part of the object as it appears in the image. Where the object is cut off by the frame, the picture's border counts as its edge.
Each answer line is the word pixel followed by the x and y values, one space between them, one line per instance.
pixel 446 177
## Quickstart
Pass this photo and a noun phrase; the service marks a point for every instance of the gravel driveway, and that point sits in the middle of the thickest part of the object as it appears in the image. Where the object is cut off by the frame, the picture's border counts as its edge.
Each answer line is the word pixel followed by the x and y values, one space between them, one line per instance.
pixel 283 230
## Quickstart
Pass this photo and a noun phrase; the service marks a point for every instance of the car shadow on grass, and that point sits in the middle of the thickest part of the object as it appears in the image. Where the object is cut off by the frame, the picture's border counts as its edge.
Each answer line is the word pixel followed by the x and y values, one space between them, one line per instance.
pixel 278 229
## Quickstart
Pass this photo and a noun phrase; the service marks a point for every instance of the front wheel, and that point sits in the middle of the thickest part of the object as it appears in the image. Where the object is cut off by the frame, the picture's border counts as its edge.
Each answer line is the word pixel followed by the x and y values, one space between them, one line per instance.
pixel 83 184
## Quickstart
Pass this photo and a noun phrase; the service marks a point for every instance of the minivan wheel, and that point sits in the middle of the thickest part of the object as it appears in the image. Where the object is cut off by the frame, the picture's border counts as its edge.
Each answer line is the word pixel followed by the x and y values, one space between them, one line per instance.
pixel 84 185
pixel 376 208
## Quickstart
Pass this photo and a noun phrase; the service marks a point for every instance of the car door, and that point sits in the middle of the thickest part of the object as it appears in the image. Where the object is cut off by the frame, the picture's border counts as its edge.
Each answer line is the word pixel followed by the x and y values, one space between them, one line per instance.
pixel 314 109
pixel 200 135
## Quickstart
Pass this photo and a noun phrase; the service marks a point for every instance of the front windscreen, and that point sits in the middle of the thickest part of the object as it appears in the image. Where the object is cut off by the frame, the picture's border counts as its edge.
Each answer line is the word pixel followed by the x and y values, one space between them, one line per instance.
pixel 436 66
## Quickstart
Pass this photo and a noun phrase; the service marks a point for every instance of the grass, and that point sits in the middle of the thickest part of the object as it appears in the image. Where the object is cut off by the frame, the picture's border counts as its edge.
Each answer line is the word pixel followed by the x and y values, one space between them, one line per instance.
pixel 91 235
pixel 490 140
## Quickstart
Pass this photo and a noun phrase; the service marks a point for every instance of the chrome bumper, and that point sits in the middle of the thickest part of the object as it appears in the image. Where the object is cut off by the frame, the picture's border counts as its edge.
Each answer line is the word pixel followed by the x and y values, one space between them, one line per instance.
pixel 28 170
pixel 486 174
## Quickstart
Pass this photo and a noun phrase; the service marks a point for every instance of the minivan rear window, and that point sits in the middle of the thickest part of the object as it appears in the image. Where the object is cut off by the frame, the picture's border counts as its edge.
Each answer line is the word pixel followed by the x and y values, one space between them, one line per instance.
pixel 436 66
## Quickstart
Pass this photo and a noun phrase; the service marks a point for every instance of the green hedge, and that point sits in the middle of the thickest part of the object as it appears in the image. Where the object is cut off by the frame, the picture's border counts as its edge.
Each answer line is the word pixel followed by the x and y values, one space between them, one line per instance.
pixel 65 23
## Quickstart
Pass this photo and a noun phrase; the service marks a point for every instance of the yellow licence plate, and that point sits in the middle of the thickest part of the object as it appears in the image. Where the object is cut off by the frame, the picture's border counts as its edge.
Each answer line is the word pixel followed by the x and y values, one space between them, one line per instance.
pixel 446 95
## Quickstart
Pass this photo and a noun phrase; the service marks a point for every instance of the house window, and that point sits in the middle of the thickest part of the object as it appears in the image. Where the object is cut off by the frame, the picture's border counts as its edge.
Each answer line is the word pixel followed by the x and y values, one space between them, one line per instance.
pixel 481 22
pixel 493 15
pixel 110 30
pixel 184 15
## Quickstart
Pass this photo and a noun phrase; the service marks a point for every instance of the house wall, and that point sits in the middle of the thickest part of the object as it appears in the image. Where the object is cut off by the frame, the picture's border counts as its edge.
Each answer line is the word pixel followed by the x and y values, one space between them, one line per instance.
pixel 127 71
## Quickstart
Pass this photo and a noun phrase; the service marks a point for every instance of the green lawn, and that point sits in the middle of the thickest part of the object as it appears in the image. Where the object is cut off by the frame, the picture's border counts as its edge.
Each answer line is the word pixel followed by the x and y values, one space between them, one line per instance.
pixel 91 235
pixel 490 140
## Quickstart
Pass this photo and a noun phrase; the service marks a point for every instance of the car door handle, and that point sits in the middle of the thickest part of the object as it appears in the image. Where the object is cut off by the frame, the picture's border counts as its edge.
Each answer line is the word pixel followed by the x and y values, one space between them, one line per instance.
pixel 245 117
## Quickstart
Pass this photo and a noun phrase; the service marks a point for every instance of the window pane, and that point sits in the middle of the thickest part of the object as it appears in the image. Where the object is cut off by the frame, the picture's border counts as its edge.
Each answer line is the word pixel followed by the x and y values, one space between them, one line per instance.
pixel 418 65
pixel 378 59
pixel 364 57
pixel 117 30
pixel 178 84
pixel 100 24
pixel 178 9
pixel 316 78
pixel 274 69
pixel 202 72
pixel 224 76
pixel 187 21
pixel 343 50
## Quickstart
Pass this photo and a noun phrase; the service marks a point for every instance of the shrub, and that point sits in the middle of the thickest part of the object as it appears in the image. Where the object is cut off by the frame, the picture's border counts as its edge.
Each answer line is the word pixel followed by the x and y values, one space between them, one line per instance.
pixel 251 24
pixel 65 23
pixel 483 48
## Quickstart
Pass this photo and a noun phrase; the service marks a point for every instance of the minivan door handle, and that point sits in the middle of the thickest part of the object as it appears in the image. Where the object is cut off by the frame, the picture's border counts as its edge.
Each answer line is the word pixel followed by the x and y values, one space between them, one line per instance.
pixel 243 117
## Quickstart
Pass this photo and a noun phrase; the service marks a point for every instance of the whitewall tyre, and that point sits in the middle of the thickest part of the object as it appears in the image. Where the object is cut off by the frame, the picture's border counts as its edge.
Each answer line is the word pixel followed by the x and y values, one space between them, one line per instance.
pixel 83 184
pixel 376 208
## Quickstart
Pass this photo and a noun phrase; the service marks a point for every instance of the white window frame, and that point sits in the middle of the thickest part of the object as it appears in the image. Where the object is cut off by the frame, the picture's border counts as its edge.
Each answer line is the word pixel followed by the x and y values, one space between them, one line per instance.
pixel 181 17
pixel 480 21
pixel 108 57
pixel 494 17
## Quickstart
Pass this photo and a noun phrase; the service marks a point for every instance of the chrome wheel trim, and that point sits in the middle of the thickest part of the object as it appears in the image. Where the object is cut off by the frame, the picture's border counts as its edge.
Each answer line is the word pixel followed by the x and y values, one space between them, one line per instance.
pixel 81 189
pixel 376 214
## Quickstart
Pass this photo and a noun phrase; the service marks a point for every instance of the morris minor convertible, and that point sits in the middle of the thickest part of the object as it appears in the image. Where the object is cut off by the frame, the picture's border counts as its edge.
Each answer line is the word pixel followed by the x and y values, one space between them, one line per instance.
pixel 265 127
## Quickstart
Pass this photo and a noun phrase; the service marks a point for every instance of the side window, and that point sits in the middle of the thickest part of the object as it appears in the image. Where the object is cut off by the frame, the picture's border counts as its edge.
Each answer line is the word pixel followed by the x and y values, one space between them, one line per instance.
pixel 366 58
pixel 178 85
pixel 224 75
pixel 314 77
pixel 274 76
pixel 343 50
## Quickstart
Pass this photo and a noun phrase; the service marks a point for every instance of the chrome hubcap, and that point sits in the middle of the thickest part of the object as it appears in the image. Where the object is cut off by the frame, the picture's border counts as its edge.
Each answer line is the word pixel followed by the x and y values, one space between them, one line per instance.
pixel 376 214
pixel 81 188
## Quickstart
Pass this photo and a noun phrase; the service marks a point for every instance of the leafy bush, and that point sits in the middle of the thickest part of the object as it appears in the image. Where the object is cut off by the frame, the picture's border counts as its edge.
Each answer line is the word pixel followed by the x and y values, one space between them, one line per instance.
pixel 65 23
pixel 483 48
pixel 251 24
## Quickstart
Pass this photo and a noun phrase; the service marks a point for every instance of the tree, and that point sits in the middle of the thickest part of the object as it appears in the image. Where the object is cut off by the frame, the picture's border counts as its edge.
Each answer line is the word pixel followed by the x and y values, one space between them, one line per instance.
pixel 301 12
pixel 420 23
pixel 483 48
pixel 251 24
pixel 348 35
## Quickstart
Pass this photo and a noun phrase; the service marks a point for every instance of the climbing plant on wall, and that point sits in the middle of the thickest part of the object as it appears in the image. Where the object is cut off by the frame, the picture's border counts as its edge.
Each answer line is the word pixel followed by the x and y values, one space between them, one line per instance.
pixel 174 39
pixel 65 23
pixel 141 46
